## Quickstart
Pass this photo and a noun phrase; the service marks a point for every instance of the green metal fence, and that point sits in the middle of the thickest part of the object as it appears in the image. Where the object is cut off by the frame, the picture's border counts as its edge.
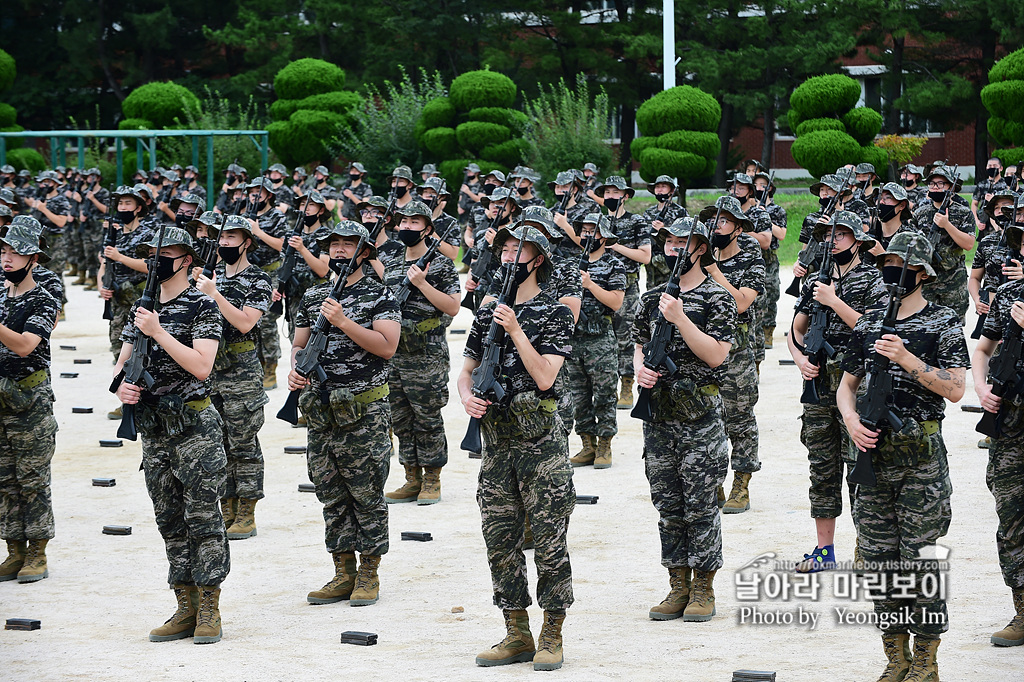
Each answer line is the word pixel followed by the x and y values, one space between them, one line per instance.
pixel 145 141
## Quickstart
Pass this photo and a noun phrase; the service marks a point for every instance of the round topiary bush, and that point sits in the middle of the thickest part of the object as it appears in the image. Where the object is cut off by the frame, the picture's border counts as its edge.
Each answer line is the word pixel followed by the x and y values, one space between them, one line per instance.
pixel 134 124
pixel 161 104
pixel 441 142
pixel 510 153
pixel 683 107
pixel 814 124
pixel 795 118
pixel 877 157
pixel 863 124
pixel 1010 157
pixel 1006 133
pixel 26 159
pixel 656 161
pixel 304 137
pixel 514 119
pixel 437 113
pixel 8 115
pixel 305 77
pixel 1009 68
pixel 1004 99
pixel 340 102
pixel 8 71
pixel 823 96
pixel 692 141
pixel 823 151
pixel 482 89
pixel 639 144
pixel 475 135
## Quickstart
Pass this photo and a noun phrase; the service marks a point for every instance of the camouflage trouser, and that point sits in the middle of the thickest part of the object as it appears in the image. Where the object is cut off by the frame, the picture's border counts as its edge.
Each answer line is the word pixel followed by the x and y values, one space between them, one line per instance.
pixel 185 479
pixel 907 511
pixel 738 385
pixel 73 232
pixel 93 242
pixel 685 463
pixel 27 441
pixel 57 250
pixel 270 332
pixel 349 466
pixel 518 477
pixel 950 289
pixel 238 395
pixel 1005 479
pixel 772 290
pixel 419 390
pixel 623 323
pixel 121 308
pixel 593 383
pixel 824 435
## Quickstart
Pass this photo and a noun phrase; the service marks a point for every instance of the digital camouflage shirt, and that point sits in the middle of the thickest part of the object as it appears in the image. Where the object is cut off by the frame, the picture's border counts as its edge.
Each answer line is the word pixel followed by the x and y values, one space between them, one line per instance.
pixel 934 335
pixel 34 311
pixel 347 364
pixel 303 274
pixel 348 207
pixel 250 288
pixel 948 256
pixel 127 243
pixel 441 275
pixel 657 270
pixel 998 318
pixel 447 227
pixel 606 272
pixel 190 316
pixel 745 269
pixel 89 209
pixel 272 222
pixel 58 205
pixel 778 216
pixel 633 232
pixel 991 255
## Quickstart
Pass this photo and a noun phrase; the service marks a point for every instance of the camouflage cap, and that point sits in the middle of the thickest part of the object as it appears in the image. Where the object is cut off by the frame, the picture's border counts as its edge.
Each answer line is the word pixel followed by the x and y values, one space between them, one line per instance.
pixel 23 236
pixel 190 198
pixel 315 198
pixel 947 174
pixel 93 171
pixel 1004 195
pixel 262 182
pixel 195 170
pixel 590 167
pixel 428 168
pixel 439 186
pixel 526 173
pixel 234 168
pixel 173 236
pixel 729 205
pixel 5 211
pixel 862 168
pixel 210 220
pixel 541 218
pixel 132 192
pixel 847 174
pixel 912 247
pixel 604 227
pixel 375 201
pixel 413 208
pixel 170 176
pixel 176 167
pixel 347 228
pixel 355 165
pixel 616 181
pixel 7 168
pixel 566 177
pixel 278 168
pixel 701 234
pixel 523 232
pixel 322 170
pixel 472 168
pixel 300 171
pixel 741 179
pixel 501 194
pixel 61 169
pixel 898 191
pixel 847 219
pixel 24 173
pixel 912 169
pixel 767 178
pixel 7 196
pixel 667 179
pixel 497 175
pixel 237 222
pixel 144 191
pixel 400 172
pixel 833 182
pixel 48 175
pixel 581 179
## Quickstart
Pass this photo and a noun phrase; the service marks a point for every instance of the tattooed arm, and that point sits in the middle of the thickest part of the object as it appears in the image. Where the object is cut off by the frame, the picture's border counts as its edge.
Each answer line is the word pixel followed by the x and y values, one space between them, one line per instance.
pixel 949 383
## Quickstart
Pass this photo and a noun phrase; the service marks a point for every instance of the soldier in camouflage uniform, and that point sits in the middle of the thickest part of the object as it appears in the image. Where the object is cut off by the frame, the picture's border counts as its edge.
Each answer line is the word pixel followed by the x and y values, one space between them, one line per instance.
pixel 242 292
pixel 419 369
pixel 470 193
pixel 744 190
pixel 354 191
pixel 182 450
pixel 910 176
pixel 855 286
pixel 48 280
pixel 739 269
pixel 764 192
pixel 190 182
pixel 402 186
pixel 523 182
pixel 525 467
pixel 984 190
pixel 28 314
pixel 74 230
pixel 434 193
pixel 865 190
pixel 571 206
pixel 894 216
pixel 995 261
pixel 349 448
pixel 685 450
pixel 662 214
pixel 311 267
pixel 53 211
pixel 902 516
pixel 500 207
pixel 323 185
pixel 809 258
pixel 92 213
pixel 952 235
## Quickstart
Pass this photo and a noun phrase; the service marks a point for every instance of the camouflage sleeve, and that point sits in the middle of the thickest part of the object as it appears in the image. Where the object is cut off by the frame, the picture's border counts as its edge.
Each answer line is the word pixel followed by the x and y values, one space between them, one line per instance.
pixel 753 275
pixel 302 315
pixel 259 293
pixel 999 314
pixel 447 278
pixel 387 307
pixel 762 221
pixel 952 346
pixel 981 254
pixel 208 322
pixel 129 332
pixel 720 323
pixel 979 192
pixel 962 218
pixel 641 330
pixel 570 283
pixel 807 229
pixel 642 230
pixel 851 356
pixel 556 335
pixel 43 315
pixel 617 277
pixel 477 333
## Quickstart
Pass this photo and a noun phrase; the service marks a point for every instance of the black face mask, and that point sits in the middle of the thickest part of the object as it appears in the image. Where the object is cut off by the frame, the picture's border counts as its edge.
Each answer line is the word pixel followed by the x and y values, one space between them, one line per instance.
pixel 720 241
pixel 165 268
pixel 126 216
pixel 355 177
pixel 843 257
pixel 886 212
pixel 260 205
pixel 180 219
pixel 18 276
pixel 761 194
pixel 523 271
pixel 410 237
pixel 401 191
pixel 612 204
pixel 277 182
pixel 891 275
pixel 993 172
pixel 310 220
pixel 489 188
pixel 336 264
pixel 523 191
pixel 595 244
pixel 671 261
pixel 1001 220
pixel 230 254
pixel 662 198
pixel 824 202
pixel 231 179
pixel 937 195
pixel 909 182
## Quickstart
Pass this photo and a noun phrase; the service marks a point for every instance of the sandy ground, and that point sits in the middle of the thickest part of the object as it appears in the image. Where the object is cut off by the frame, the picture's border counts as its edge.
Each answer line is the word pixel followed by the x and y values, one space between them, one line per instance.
pixel 105 593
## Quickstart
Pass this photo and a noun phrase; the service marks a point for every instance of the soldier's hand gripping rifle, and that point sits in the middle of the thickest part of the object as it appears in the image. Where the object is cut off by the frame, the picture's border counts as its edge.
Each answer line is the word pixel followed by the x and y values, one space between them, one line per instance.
pixel 935 235
pixel 487 375
pixel 108 268
pixel 563 202
pixel 286 272
pixel 481 264
pixel 211 257
pixel 815 346
pixel 405 288
pixel 136 368
pixel 809 254
pixel 307 360
pixel 874 402
pixel 1005 378
pixel 983 294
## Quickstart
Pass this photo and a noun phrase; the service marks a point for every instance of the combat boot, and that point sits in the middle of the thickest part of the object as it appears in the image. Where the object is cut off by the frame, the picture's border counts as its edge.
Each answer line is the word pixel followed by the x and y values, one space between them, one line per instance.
pixel 81 279
pixel 270 376
pixel 14 561
pixel 34 567
pixel 411 489
pixel 430 491
pixel 603 456
pixel 678 597
pixel 208 629
pixel 244 525
pixel 91 284
pixel 228 509
pixel 367 587
pixel 114 415
pixel 71 271
pixel 769 333
pixel 925 666
pixel 739 497
pixel 183 623
pixel 585 456
pixel 341 586
pixel 1011 635
pixel 720 496
pixel 702 597
pixel 517 647
pixel 549 644
pixel 897 650
pixel 625 394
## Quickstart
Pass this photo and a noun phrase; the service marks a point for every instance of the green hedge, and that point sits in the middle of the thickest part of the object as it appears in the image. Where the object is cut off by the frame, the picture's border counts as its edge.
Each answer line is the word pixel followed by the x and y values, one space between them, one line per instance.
pixel 514 119
pixel 304 137
pixel 814 124
pixel 1006 133
pixel 339 101
pixel 656 161
pixel 1008 157
pixel 160 103
pixel 453 171
pixel 441 142
pixel 510 153
pixel 475 135
pixel 26 158
pixel 438 113
pixel 863 124
pixel 1009 68
pixel 823 151
pixel 134 124
pixel 8 71
pixel 877 157
pixel 8 115
pixel 680 108
pixel 692 141
pixel 305 77
pixel 822 96
pixel 795 118
pixel 1005 99
pixel 639 144
pixel 482 89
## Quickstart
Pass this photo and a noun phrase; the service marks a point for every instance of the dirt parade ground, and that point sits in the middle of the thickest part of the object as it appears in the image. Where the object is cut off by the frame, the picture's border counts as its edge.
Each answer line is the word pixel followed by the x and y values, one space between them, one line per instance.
pixel 105 592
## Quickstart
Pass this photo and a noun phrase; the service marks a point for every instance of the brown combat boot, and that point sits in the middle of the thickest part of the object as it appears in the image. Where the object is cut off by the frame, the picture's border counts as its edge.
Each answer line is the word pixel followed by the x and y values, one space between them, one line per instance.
pixel 549 644
pixel 367 587
pixel 208 629
pixel 410 491
pixel 71 271
pixel 430 491
pixel 115 415
pixel 702 597
pixel 270 376
pixel 228 509
pixel 34 567
pixel 183 623
pixel 897 650
pixel 739 497
pixel 720 496
pixel 244 525
pixel 81 279
pixel 625 394
pixel 91 284
pixel 769 333
pixel 341 586
pixel 517 647
pixel 678 597
pixel 1011 635
pixel 603 456
pixel 925 666
pixel 14 561
pixel 585 456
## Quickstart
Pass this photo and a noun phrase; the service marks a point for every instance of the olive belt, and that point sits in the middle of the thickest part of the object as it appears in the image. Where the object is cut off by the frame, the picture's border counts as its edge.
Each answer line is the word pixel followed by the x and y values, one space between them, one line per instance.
pixel 198 405
pixel 710 389
pixel 930 427
pixel 276 265
pixel 428 325
pixel 34 379
pixel 548 404
pixel 373 395
pixel 240 347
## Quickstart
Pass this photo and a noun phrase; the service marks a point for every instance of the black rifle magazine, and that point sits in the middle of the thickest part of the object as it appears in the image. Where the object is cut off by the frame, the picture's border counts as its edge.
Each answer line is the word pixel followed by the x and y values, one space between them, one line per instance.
pixel 417 536
pixel 307 488
pixel 586 499
pixel 112 443
pixel 359 638
pixel 21 624
pixel 104 482
pixel 117 530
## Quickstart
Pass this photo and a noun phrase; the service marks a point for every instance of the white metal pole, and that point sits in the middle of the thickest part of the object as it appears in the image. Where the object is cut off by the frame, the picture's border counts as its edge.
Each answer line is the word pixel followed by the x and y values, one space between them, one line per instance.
pixel 668 37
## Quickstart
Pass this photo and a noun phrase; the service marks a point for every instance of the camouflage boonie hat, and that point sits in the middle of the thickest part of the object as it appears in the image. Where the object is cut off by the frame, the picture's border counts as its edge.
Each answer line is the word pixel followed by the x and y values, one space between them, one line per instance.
pixel 170 176
pixel 729 205
pixel 847 219
pixel 23 236
pixel 742 179
pixel 234 168
pixel 143 190
pixel 590 167
pixel 262 183
pixel 279 168
pixel 566 177
pixel 604 227
pixel 195 170
pixel 93 171
pixel 357 166
pixel 862 168
pixel 497 175
pixel 5 211
pixel 347 228
pixel 375 201
pixel 898 191
pixel 48 175
pixel 531 235
pixel 501 194
pixel 25 173
pixel 173 236
pixel 210 220
pixel 400 172
pixel 176 167
pixel 668 180
pixel 541 218
pixel 7 168
pixel 7 196
pixel 912 247
pixel 134 193
pixel 842 172
pixel 300 171
pixel 189 198
pixel 616 181
pixel 833 182
pixel 990 205
pixel 322 170
pixel 767 178
pixel 315 198
pixel 439 186
pixel 237 222
pixel 413 208
pixel 526 173
pixel 472 168
pixel 682 228
pixel 946 173
pixel 912 169
pixel 428 168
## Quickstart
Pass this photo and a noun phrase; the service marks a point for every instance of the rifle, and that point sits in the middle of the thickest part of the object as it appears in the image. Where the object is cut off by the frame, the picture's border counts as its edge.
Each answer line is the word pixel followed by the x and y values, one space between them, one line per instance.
pixel 307 360
pixel 984 294
pixel 405 288
pixel 585 267
pixel 136 368
pixel 934 235
pixel 480 266
pixel 805 258
pixel 816 347
pixel 487 376
pixel 1005 379
pixel 874 403
pixel 108 270
pixel 388 212
pixel 287 269
pixel 794 288
pixel 211 259
pixel 563 203
pixel 771 181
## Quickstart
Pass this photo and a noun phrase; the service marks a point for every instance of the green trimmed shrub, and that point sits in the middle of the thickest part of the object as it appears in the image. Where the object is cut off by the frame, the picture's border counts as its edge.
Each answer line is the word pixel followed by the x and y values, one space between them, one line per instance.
pixel 514 119
pixel 26 158
pixel 639 144
pixel 452 171
pixel 14 142
pixel 814 124
pixel 701 144
pixel 441 142
pixel 340 102
pixel 8 71
pixel 823 151
pixel 823 96
pixel 863 124
pixel 305 77
pixel 8 115
pixel 1004 99
pixel 509 153
pixel 1008 157
pixel 304 137
pixel 481 89
pixel 1006 133
pixel 794 118
pixel 134 124
pixel 877 157
pixel 683 107
pixel 437 113
pixel 656 161
pixel 1009 68
pixel 161 103
pixel 475 135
